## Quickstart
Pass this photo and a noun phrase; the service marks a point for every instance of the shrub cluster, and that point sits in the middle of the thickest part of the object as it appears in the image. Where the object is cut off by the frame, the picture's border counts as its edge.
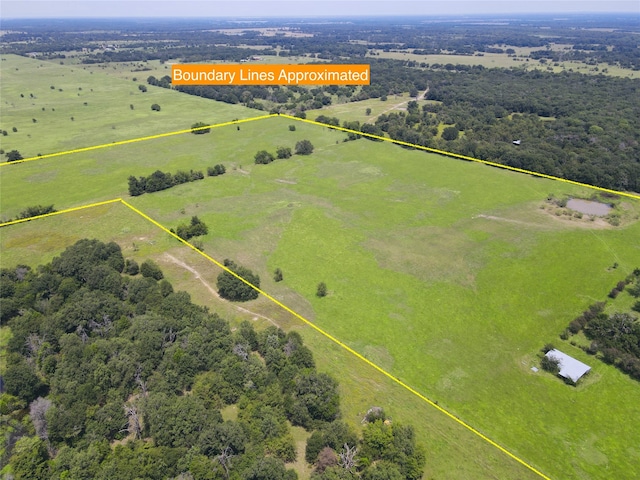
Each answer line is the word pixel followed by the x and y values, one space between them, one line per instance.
pixel 193 229
pixel 216 170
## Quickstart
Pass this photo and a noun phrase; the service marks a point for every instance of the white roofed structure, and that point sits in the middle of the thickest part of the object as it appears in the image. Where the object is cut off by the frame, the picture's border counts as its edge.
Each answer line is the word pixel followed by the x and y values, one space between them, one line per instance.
pixel 570 368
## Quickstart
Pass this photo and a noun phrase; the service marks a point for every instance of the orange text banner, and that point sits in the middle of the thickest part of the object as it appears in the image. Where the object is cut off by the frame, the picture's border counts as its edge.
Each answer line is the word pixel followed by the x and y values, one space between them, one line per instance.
pixel 262 74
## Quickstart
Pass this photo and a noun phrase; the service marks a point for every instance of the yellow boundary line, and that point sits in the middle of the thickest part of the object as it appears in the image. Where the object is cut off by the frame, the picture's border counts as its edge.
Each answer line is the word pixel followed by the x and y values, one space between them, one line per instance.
pixel 313 122
pixel 299 317
pixel 134 140
pixel 463 157
pixel 67 210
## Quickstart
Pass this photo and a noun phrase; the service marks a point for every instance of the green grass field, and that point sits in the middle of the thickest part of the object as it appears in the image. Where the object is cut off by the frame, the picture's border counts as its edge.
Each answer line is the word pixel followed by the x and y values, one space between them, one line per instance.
pixel 107 116
pixel 446 273
pixel 502 60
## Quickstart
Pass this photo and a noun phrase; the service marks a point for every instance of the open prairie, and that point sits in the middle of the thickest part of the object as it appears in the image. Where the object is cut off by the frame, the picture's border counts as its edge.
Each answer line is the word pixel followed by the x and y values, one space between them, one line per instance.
pixel 450 275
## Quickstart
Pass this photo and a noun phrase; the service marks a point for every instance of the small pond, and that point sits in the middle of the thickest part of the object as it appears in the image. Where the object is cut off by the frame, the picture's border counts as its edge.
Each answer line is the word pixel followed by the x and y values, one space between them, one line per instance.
pixel 588 207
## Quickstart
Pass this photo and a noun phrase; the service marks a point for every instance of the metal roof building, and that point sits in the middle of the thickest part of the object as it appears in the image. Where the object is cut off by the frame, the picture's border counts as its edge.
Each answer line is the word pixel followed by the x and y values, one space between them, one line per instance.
pixel 570 368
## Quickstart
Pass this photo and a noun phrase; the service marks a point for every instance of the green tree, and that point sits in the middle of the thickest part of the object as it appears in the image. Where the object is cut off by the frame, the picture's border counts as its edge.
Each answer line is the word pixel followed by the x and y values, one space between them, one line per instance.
pixel 29 459
pixel 304 147
pixel 149 269
pixel 21 380
pixel 315 400
pixel 321 291
pixel 232 288
pixel 198 128
pixel 263 157
pixel 216 170
pixel 269 468
pixel 277 275
pixel 131 267
pixel 194 229
pixel 136 187
pixel 13 155
pixel 382 471
pixel 283 152
pixel 550 364
pixel 450 133
pixel 155 107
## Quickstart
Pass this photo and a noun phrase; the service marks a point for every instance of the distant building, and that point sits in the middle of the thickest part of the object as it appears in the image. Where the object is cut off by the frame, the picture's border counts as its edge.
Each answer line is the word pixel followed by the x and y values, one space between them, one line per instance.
pixel 570 368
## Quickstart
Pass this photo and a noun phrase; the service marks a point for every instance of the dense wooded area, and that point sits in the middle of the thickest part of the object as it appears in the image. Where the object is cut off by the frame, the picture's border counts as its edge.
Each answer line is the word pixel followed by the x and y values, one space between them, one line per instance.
pixel 112 375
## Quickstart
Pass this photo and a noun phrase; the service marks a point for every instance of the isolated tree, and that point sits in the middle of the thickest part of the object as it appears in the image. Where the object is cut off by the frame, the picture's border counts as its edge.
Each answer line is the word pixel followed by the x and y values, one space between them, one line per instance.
pixel 283 152
pixel 142 88
pixel 321 290
pixel 195 228
pixel 368 112
pixel 198 128
pixel 13 155
pixel 155 107
pixel 277 275
pixel 304 147
pixel 263 157
pixel 292 128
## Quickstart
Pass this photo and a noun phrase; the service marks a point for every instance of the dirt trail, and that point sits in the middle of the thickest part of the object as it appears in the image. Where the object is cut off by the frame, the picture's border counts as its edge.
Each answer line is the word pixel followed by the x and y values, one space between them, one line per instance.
pixel 397 105
pixel 197 275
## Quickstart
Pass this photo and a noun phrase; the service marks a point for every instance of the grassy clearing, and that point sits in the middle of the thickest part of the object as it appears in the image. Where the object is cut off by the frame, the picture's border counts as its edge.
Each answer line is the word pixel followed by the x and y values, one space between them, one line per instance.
pixel 107 116
pixel 447 273
pixel 502 60
pixel 358 110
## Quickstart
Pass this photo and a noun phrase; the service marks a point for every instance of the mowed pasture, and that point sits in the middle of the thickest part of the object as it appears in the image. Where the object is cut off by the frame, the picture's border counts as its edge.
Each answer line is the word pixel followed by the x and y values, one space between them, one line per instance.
pixel 446 273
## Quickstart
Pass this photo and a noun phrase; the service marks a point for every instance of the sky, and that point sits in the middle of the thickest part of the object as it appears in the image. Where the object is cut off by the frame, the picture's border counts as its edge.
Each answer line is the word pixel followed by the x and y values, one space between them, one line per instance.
pixel 297 8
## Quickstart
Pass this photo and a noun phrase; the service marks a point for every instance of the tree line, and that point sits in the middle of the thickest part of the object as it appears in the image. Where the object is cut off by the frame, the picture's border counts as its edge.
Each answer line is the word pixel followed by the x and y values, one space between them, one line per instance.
pixel 159 180
pixel 110 373
pixel 33 211
pixel 614 337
